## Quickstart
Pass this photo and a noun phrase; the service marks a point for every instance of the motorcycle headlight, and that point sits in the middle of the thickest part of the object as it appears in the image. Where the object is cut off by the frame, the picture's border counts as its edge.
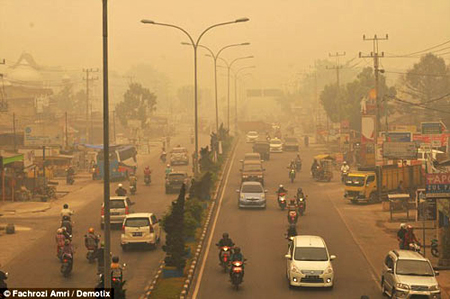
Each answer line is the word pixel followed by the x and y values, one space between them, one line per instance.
pixel 402 286
pixel 295 269
pixel 434 288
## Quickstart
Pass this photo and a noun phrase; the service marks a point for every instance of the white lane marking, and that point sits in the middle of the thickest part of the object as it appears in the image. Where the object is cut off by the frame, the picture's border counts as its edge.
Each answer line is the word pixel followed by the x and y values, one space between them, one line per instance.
pixel 373 269
pixel 202 268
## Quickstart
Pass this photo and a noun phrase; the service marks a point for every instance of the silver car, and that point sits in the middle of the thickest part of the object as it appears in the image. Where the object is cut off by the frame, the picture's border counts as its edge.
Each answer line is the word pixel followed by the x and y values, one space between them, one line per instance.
pixel 119 207
pixel 407 274
pixel 252 195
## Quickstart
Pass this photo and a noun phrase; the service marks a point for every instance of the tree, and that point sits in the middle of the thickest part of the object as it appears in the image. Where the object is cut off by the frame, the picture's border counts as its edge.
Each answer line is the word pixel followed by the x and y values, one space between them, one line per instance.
pixel 138 104
pixel 174 228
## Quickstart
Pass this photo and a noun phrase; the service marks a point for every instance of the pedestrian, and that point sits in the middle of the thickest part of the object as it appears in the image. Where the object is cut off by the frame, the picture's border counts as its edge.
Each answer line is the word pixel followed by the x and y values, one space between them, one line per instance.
pixel 401 236
pixel 400 187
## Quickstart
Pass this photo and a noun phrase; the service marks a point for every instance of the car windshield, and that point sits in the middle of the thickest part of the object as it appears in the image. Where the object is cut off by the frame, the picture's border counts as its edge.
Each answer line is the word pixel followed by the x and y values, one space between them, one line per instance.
pixel 310 254
pixel 252 157
pixel 414 267
pixel 291 140
pixel 252 133
pixel 354 181
pixel 275 142
pixel 252 167
pixel 137 222
pixel 177 176
pixel 252 189
pixel 180 150
pixel 117 204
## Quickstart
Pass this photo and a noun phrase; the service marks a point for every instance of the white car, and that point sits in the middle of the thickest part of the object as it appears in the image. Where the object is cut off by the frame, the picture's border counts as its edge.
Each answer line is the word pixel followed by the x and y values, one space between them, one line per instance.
pixel 252 136
pixel 140 228
pixel 309 263
pixel 276 146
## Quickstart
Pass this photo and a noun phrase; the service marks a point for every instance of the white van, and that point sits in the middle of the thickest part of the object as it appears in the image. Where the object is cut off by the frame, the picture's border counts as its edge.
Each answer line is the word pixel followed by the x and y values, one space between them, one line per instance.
pixel 140 228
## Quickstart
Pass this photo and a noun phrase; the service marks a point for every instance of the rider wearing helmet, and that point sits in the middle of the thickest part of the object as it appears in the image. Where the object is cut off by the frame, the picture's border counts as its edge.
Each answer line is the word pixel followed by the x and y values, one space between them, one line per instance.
pixel 237 256
pixel 91 240
pixel 60 238
pixel 345 167
pixel 410 237
pixel 116 268
pixel 300 194
pixel 401 235
pixel 225 241
pixel 168 169
pixel 292 164
pixel 121 191
pixel 281 190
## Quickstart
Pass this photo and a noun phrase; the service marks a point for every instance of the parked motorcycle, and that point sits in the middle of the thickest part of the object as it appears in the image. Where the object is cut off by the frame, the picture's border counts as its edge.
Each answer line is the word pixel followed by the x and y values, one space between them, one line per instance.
pixel 434 248
pixel 66 266
pixel 292 175
pixel 237 273
pixel 225 254
pixel 281 200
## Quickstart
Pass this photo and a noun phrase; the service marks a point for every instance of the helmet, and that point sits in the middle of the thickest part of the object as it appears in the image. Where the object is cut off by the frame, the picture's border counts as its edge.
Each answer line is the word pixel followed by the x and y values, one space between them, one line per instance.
pixel 237 250
pixel 115 259
pixel 409 227
pixel 281 186
pixel 91 230
pixel 345 162
pixel 65 206
pixel 225 235
pixel 403 225
pixel 120 185
pixel 168 165
pixel 102 244
pixel 63 229
pixel 66 242
pixel 299 190
pixel 59 231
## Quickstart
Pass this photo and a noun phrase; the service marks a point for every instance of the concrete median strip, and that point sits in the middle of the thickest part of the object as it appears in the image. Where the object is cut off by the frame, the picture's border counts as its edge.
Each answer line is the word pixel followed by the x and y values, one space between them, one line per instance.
pixel 192 267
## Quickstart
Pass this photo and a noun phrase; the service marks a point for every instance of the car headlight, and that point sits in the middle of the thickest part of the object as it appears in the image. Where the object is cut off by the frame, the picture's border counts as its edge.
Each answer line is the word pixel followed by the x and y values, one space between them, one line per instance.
pixel 328 270
pixel 402 286
pixel 245 176
pixel 242 197
pixel 295 269
pixel 263 196
pixel 434 288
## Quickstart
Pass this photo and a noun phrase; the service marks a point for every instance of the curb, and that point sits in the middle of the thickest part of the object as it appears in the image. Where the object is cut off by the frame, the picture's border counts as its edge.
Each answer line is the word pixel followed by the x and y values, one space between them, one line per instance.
pixel 188 281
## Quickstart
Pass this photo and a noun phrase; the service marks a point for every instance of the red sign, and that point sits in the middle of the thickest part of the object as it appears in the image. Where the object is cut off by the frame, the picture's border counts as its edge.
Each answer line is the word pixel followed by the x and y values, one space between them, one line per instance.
pixel 438 178
pixel 442 138
pixel 438 185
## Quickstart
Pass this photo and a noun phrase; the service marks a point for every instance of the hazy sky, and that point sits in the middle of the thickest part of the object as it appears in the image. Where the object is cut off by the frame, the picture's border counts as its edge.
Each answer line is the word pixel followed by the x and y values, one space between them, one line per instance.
pixel 286 35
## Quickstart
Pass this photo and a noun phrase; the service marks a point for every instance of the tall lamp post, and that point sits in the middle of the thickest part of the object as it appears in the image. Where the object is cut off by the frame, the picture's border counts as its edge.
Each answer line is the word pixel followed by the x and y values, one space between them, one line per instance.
pixel 229 65
pixel 236 74
pixel 215 57
pixel 195 45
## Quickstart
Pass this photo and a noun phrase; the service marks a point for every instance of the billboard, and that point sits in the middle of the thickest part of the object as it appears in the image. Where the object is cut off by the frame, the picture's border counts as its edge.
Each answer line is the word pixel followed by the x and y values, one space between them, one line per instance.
pixel 367 128
pixel 397 136
pixel 429 128
pixel 438 185
pixel 40 135
pixel 400 150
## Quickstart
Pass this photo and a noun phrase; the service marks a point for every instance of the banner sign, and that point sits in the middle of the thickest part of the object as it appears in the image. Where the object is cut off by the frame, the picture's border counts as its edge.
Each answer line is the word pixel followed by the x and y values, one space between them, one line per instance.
pixel 400 150
pixel 438 185
pixel 397 136
pixel 429 128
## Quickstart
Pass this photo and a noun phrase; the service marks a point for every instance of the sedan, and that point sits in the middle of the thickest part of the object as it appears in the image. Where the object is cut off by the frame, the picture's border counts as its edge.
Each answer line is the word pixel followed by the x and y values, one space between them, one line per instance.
pixel 251 195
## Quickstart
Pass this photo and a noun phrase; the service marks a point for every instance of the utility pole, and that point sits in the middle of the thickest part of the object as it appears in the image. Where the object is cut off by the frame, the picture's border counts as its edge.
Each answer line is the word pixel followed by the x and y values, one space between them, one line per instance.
pixel 14 131
pixel 3 103
pixel 376 60
pixel 66 130
pixel 337 67
pixel 88 78
pixel 114 125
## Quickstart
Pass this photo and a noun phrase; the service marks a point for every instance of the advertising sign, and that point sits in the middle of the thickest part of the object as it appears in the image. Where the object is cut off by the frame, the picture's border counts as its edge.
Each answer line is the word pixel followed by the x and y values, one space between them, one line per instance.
pixel 438 185
pixel 400 150
pixel 426 207
pixel 429 128
pixel 40 135
pixel 367 128
pixel 397 136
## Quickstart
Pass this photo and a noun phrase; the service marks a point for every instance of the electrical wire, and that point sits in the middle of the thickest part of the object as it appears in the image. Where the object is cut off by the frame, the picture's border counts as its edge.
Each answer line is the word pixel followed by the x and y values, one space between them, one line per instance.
pixel 425 50
pixel 416 74
pixel 418 105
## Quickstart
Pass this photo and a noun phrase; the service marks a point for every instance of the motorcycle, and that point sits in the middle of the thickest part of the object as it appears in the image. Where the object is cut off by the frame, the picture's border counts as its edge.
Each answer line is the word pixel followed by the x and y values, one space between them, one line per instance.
pixel 414 247
pixel 292 216
pixel 132 189
pixel 344 175
pixel 298 165
pixel 282 200
pixel 225 253
pixel 292 175
pixel 163 157
pixel 3 285
pixel 301 206
pixel 434 248
pixel 237 273
pixel 70 180
pixel 147 179
pixel 66 266
pixel 117 285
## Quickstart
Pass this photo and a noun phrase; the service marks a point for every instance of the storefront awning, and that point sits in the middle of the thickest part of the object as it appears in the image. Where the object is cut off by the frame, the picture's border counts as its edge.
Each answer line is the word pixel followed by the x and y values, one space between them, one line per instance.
pixel 8 159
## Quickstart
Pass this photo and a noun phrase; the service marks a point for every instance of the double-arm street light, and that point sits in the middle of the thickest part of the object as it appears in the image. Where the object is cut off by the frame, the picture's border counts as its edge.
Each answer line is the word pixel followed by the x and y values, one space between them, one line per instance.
pixel 229 65
pixel 236 74
pixel 195 45
pixel 215 57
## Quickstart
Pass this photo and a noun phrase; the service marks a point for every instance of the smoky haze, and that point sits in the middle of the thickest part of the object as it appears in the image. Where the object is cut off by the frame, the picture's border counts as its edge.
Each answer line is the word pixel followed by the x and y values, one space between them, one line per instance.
pixel 286 36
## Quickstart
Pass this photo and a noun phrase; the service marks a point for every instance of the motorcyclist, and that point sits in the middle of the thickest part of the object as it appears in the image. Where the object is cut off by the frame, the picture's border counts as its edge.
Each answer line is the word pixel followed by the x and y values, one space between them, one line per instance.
pixel 314 167
pixel 168 170
pixel 345 167
pixel 292 165
pixel 147 172
pixel 66 211
pixel 91 240
pixel 401 236
pixel 163 155
pixel 292 207
pixel 60 238
pixel 410 237
pixel 281 189
pixel 237 256
pixel 300 194
pixel 291 231
pixel 225 241
pixel 99 255
pixel 70 174
pixel 121 191
pixel 68 251
pixel 65 222
pixel 66 234
pixel 3 285
pixel 116 268
pixel 298 161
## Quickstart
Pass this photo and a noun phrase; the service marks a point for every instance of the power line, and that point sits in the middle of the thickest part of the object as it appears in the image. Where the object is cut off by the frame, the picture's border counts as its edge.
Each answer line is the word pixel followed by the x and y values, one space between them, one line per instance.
pixel 428 49
pixel 417 105
pixel 416 74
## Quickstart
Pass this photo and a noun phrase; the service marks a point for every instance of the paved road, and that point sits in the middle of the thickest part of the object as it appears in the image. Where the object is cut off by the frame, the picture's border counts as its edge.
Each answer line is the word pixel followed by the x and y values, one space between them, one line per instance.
pixel 260 234
pixel 38 266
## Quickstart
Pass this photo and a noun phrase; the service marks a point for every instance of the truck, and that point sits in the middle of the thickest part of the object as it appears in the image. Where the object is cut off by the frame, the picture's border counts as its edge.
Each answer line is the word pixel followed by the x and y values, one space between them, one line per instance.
pixel 374 184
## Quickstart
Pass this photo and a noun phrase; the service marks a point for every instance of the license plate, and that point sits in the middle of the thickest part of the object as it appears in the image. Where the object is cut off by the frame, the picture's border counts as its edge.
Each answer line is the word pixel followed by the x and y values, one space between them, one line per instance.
pixel 312 276
pixel 114 213
pixel 137 234
pixel 237 269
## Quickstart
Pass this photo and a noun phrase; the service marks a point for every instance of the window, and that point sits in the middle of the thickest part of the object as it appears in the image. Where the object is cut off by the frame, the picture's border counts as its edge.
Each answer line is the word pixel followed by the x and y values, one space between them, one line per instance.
pixel 310 254
pixel 154 219
pixel 388 262
pixel 137 222
pixel 414 268
pixel 252 167
pixel 117 204
pixel 370 179
pixel 252 189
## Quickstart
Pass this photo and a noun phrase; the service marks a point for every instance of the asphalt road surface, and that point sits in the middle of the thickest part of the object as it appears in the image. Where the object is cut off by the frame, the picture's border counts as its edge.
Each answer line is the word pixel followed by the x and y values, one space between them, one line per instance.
pixel 38 266
pixel 260 234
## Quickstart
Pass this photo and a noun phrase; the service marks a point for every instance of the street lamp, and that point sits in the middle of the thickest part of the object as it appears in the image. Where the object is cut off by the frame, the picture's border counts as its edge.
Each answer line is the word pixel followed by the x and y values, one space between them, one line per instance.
pixel 215 57
pixel 236 74
pixel 229 65
pixel 195 45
